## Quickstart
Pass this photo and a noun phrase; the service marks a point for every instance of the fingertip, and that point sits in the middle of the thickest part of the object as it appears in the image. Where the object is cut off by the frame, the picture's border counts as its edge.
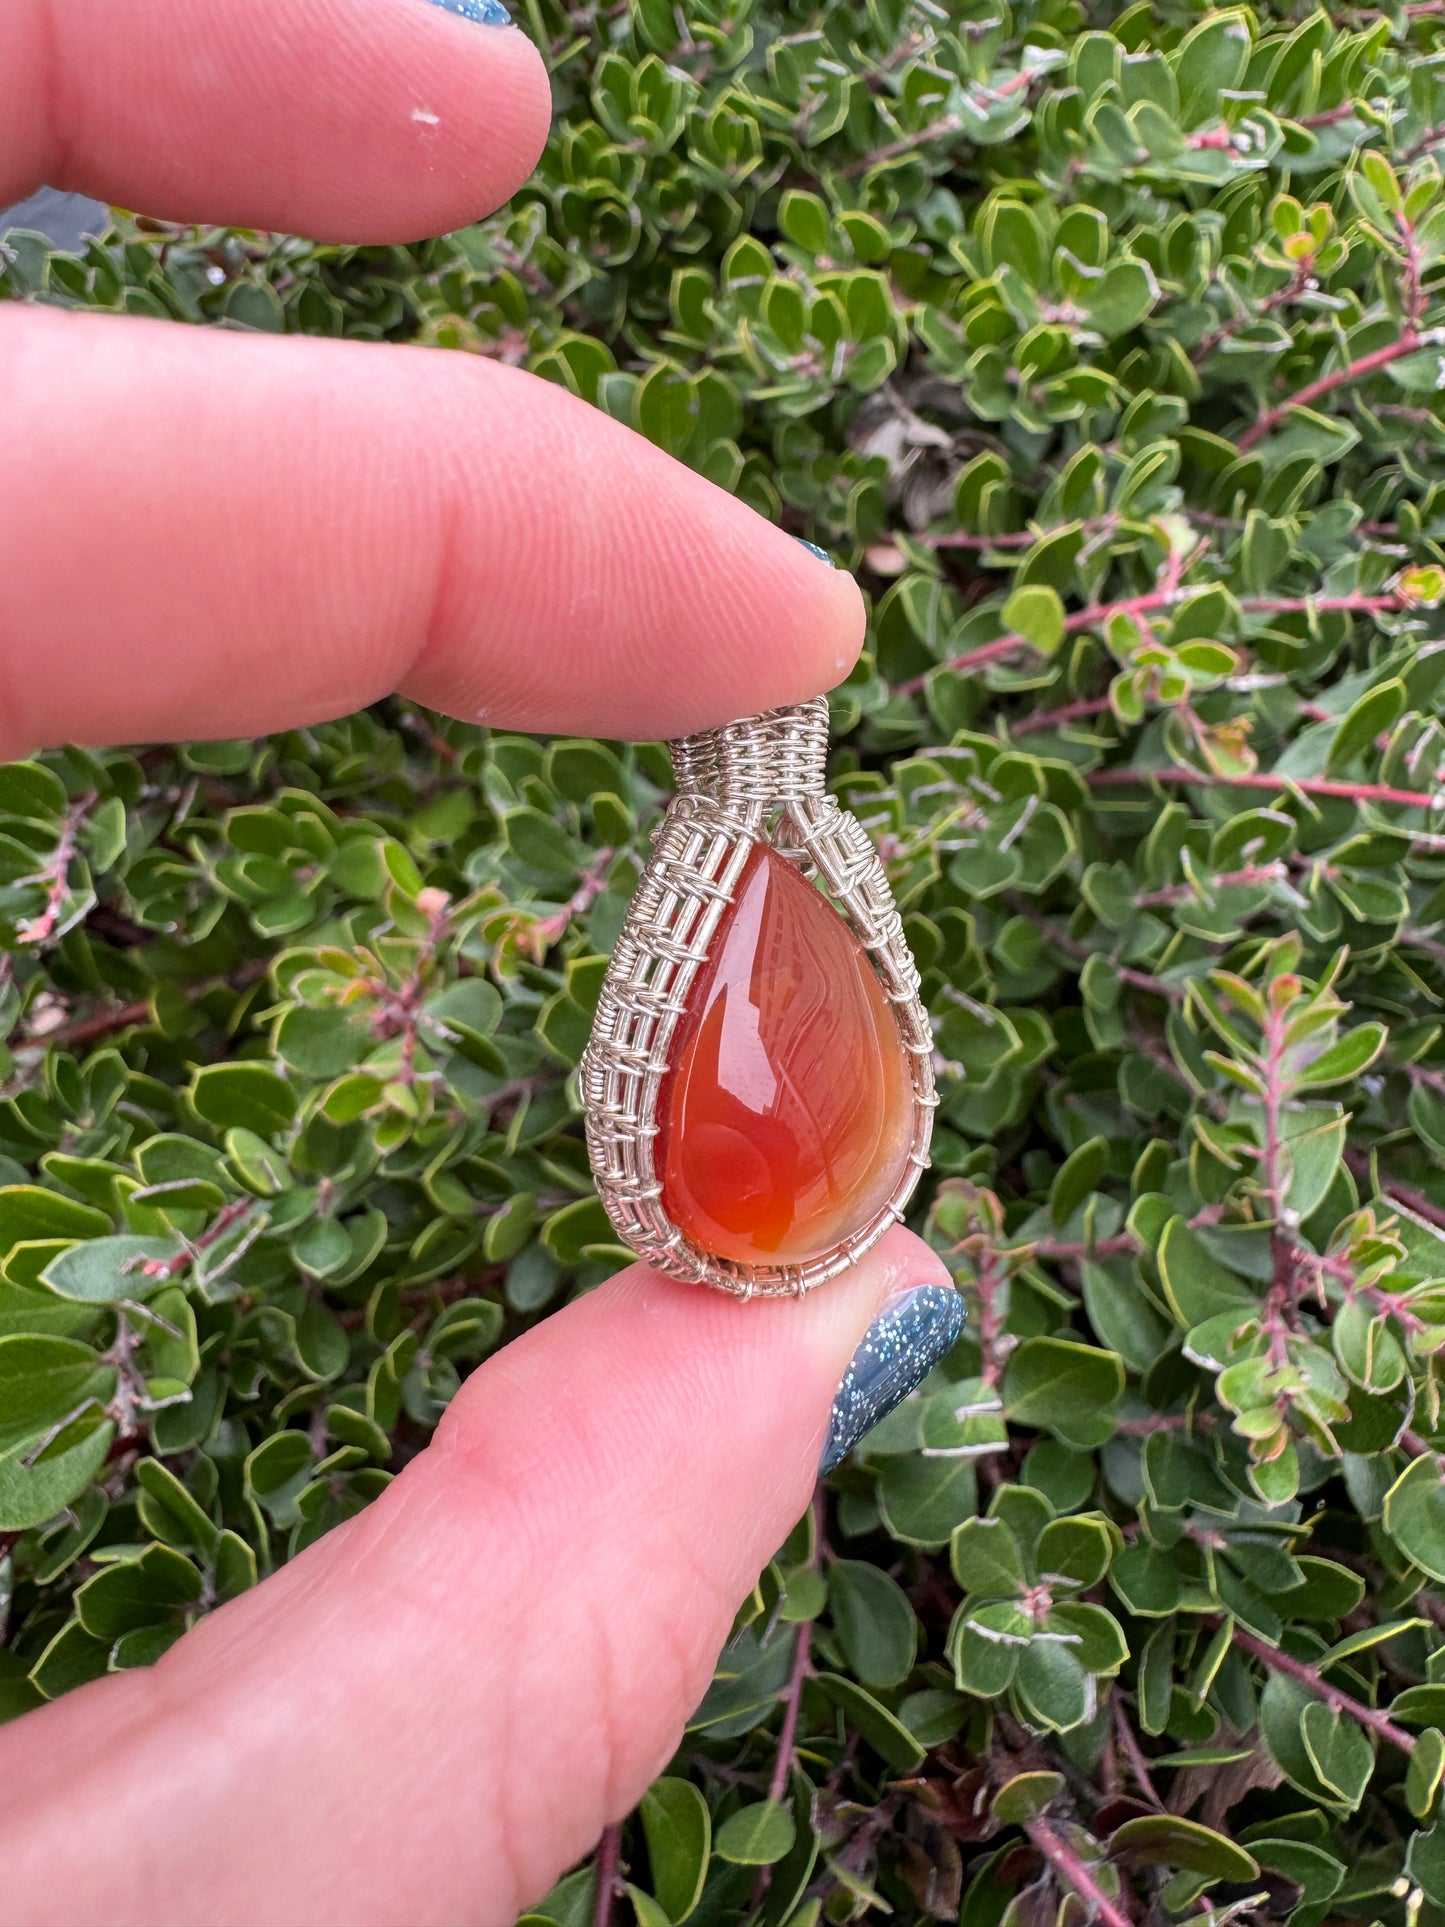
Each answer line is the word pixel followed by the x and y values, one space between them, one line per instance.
pixel 353 121
pixel 830 616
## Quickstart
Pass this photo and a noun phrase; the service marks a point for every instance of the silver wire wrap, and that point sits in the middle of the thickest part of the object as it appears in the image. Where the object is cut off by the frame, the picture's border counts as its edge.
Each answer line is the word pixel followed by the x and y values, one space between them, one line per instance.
pixel 758 780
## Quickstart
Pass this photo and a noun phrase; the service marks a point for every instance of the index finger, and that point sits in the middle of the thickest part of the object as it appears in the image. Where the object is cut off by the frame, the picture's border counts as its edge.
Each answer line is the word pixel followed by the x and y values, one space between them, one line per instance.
pixel 346 120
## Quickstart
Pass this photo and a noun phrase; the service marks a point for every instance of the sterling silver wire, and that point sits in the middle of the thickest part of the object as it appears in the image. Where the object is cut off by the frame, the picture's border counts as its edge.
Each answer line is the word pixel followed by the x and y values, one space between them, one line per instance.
pixel 758 780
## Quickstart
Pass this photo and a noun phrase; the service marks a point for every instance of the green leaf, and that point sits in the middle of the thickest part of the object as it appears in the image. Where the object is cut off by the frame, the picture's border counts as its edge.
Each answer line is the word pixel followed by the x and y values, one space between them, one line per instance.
pixel 1078 1178
pixel 1425 1863
pixel 248 1096
pixel 32 1493
pixel 1037 614
pixel 1196 1285
pixel 1076 1551
pixel 319 1043
pixel 1147 1580
pixel 756 1836
pixel 1165 1840
pixel 1426 1769
pixel 42 1381
pixel 28 1212
pixel 138 1592
pixel 986 1559
pixel 108 1269
pixel 1025 1797
pixel 678 1829
pixel 873 1620
pixel 1056 1690
pixel 1338 1750
pixel 1414 1514
pixel 1058 1385
pixel 1371 716
pixel 884 1733
pixel 1344 1061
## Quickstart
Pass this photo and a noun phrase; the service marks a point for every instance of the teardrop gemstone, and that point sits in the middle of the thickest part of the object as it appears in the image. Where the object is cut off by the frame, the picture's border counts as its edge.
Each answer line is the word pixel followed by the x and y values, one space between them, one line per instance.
pixel 785 1118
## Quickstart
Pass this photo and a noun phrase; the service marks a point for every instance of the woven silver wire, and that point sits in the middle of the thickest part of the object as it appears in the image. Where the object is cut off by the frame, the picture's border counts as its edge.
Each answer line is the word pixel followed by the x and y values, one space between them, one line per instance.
pixel 758 780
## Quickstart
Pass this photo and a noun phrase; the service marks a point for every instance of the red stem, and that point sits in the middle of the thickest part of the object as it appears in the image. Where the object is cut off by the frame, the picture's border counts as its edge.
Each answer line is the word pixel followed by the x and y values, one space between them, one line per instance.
pixel 792 1704
pixel 1259 780
pixel 1139 605
pixel 86 1029
pixel 1071 1869
pixel 1134 1753
pixel 609 1854
pixel 224 1219
pixel 1054 718
pixel 56 875
pixel 1363 365
pixel 1307 1675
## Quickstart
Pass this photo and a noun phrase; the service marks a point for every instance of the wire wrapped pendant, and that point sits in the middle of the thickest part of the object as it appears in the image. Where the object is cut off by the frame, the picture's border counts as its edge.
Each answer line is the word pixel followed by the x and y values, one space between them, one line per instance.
pixel 758 1087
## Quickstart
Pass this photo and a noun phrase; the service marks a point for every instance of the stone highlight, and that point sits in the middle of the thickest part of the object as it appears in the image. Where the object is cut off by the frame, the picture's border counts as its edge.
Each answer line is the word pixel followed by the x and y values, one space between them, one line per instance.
pixel 786 1119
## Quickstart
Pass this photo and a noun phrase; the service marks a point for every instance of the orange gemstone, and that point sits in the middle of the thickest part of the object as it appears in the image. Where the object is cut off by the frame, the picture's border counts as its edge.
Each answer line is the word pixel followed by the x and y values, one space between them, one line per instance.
pixel 786 1117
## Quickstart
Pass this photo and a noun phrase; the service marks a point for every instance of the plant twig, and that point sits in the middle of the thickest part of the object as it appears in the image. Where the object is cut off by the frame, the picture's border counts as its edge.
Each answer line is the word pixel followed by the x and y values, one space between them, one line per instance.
pixel 1102 779
pixel 609 1854
pixel 1310 1676
pixel 1073 1872
pixel 792 1705
pixel 1356 370
pixel 1134 1753
pixel 85 1030
pixel 1167 597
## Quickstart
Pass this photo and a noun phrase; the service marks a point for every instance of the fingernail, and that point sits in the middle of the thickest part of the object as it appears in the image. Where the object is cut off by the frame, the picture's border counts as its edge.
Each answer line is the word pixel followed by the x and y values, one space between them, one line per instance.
pixel 900 1348
pixel 813 549
pixel 487 13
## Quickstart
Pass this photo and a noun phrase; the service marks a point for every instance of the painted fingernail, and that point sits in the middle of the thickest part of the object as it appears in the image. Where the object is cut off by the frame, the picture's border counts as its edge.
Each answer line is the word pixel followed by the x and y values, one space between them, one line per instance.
pixel 487 13
pixel 813 549
pixel 900 1348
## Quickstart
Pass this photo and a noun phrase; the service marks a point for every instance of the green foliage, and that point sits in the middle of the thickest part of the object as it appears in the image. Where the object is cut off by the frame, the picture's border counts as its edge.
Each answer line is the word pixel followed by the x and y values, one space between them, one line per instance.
pixel 1107 349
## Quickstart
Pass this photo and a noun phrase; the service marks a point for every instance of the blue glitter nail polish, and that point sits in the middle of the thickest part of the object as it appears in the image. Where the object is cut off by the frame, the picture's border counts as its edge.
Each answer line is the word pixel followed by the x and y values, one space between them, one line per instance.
pixel 813 549
pixel 900 1348
pixel 487 13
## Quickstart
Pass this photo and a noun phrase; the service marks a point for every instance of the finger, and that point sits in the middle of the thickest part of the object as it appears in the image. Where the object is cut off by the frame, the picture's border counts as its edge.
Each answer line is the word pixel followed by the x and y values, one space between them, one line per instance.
pixel 349 120
pixel 276 531
pixel 433 1711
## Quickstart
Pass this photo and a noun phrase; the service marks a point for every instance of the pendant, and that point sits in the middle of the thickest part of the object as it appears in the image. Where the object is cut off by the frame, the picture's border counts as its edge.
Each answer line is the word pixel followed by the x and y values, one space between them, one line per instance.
pixel 758 1087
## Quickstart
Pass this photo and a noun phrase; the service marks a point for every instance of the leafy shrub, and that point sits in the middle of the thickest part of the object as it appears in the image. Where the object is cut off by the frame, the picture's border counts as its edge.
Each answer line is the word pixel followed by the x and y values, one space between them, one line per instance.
pixel 1110 353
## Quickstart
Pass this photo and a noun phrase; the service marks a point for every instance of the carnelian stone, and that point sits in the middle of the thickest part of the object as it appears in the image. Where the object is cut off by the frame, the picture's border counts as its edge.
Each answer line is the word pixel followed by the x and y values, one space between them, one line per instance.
pixel 785 1117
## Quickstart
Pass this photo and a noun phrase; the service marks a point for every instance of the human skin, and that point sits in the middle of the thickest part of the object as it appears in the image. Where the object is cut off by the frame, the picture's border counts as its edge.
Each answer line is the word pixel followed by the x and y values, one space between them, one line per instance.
pixel 434 1710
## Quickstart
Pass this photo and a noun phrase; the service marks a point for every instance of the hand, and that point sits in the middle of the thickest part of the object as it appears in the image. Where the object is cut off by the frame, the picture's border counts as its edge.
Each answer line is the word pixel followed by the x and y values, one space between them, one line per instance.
pixel 430 1713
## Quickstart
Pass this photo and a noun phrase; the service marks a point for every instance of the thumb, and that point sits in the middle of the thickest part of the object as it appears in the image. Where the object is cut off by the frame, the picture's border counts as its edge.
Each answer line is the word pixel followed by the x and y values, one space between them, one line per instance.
pixel 437 1708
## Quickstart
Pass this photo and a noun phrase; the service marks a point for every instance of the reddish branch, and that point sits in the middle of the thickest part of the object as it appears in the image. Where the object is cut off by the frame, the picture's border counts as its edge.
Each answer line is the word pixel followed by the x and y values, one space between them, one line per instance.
pixel 547 930
pixel 609 1855
pixel 994 1344
pixel 1410 338
pixel 1297 285
pixel 1134 1753
pixel 936 130
pixel 1310 1676
pixel 1057 1250
pixel 1404 1195
pixel 1280 1298
pixel 1071 947
pixel 942 129
pixel 1250 873
pixel 228 1215
pixel 1056 718
pixel 792 1705
pixel 41 929
pixel 1105 779
pixel 1155 600
pixel 1356 370
pixel 85 1030
pixel 1075 1874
